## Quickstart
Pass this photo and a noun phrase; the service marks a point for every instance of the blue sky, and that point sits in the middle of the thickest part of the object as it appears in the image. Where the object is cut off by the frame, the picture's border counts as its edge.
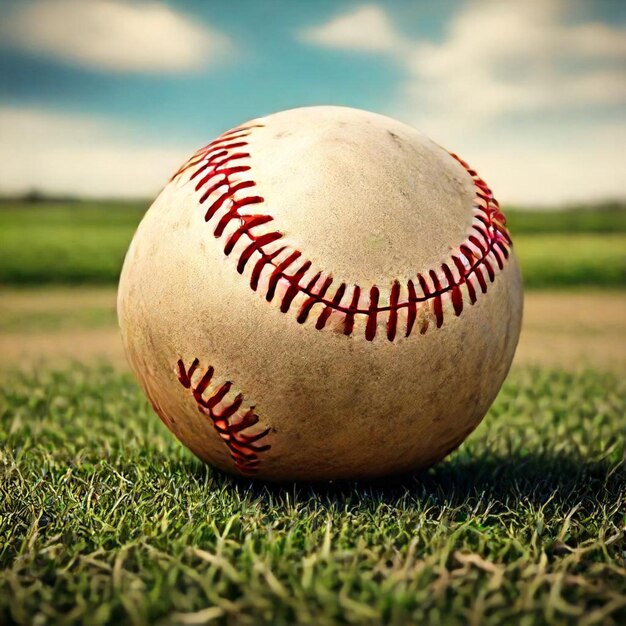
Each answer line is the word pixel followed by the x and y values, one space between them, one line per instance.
pixel 106 97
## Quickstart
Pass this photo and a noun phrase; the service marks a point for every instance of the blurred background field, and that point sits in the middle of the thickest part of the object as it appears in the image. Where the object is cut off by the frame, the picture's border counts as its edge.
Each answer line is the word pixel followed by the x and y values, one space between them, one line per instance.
pixel 60 261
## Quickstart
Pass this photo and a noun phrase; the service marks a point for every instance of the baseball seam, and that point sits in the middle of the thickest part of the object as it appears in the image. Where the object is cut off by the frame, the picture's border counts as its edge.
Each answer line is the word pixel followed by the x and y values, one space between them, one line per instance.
pixel 226 415
pixel 222 174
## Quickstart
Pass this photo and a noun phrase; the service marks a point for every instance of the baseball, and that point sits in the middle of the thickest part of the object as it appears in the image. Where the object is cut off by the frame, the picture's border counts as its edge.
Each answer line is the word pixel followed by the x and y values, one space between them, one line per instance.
pixel 321 293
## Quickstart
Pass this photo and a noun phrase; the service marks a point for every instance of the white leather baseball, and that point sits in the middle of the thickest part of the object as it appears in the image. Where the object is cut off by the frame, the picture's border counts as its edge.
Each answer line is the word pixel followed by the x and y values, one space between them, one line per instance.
pixel 321 293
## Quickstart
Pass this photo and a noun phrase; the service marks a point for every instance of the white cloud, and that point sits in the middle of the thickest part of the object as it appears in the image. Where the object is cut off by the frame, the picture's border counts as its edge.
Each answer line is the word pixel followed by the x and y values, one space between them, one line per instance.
pixel 112 35
pixel 485 88
pixel 495 58
pixel 366 29
pixel 504 57
pixel 62 153
pixel 578 164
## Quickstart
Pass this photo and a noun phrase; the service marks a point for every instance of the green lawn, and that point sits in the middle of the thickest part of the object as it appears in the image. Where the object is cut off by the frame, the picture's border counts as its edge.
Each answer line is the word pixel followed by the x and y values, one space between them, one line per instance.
pixel 85 242
pixel 572 260
pixel 65 243
pixel 599 218
pixel 104 518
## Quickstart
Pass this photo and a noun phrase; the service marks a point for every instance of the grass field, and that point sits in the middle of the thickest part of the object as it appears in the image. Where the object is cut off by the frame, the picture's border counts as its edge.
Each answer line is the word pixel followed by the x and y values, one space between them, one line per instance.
pixel 106 519
pixel 78 243
pixel 65 243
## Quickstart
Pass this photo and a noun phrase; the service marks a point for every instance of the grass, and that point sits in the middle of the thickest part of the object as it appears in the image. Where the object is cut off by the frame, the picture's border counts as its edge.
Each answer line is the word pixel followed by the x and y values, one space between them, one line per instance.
pixel 85 243
pixel 600 219
pixel 42 321
pixel 572 260
pixel 55 308
pixel 104 518
pixel 65 243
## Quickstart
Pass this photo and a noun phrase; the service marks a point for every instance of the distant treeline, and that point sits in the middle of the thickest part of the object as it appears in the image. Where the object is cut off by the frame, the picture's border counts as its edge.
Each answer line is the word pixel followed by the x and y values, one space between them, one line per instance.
pixel 37 199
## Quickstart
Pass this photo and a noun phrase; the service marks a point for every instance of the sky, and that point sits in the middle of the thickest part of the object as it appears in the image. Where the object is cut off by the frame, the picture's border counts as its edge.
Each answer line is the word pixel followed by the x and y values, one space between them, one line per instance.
pixel 105 98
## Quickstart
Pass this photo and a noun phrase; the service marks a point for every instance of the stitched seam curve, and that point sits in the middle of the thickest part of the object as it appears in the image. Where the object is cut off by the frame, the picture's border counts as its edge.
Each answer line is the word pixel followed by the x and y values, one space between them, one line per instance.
pixel 220 173
pixel 226 415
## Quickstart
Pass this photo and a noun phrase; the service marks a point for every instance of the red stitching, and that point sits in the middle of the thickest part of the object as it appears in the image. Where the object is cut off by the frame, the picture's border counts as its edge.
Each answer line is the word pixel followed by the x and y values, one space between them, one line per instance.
pixel 412 312
pixel 487 245
pixel 392 322
pixel 243 448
